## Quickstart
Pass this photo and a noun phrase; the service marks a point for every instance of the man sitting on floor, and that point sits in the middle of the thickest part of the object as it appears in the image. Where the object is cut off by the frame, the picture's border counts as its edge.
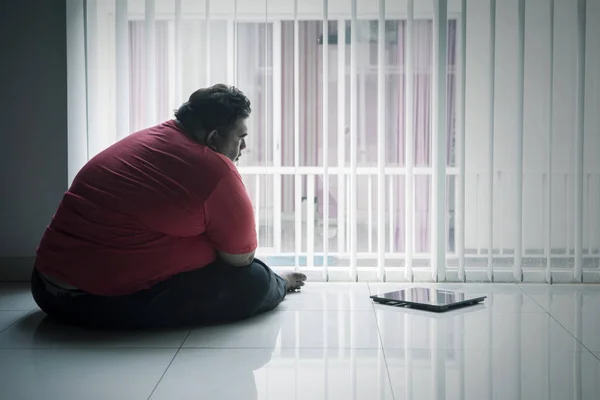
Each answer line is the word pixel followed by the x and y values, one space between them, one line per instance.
pixel 158 229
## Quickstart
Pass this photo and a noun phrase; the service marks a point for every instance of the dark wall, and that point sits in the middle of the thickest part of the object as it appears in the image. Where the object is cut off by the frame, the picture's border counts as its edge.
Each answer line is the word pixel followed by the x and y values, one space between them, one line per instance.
pixel 33 122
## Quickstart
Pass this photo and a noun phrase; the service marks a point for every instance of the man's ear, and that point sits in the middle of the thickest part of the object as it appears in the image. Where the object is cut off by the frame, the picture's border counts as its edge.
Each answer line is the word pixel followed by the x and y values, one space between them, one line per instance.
pixel 211 140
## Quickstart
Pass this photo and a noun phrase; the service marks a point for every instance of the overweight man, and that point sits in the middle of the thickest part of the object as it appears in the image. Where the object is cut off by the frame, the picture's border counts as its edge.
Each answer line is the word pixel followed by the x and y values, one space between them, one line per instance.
pixel 158 229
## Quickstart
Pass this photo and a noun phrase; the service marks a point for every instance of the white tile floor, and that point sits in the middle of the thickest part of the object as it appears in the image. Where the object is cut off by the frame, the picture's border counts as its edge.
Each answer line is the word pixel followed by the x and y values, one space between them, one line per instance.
pixel 525 342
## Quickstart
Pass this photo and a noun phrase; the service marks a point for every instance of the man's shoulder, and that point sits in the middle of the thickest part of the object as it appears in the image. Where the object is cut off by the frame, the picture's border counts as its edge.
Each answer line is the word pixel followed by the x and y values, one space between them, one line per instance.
pixel 222 163
pixel 180 142
pixel 166 154
pixel 168 143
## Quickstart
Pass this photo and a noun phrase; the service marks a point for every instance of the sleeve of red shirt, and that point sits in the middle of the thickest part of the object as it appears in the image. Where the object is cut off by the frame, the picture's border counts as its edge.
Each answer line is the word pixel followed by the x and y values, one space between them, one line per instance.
pixel 230 225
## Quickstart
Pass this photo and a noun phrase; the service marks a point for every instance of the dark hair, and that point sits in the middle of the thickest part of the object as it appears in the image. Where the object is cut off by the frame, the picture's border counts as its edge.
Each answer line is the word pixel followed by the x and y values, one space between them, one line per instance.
pixel 217 107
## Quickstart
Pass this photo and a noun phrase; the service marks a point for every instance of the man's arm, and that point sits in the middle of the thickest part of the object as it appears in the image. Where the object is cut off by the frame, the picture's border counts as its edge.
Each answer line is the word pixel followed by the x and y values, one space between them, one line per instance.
pixel 230 222
pixel 237 260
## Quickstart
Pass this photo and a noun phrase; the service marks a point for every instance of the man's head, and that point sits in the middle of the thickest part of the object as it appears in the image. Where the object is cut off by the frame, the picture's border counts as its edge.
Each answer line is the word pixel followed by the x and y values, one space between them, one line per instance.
pixel 215 117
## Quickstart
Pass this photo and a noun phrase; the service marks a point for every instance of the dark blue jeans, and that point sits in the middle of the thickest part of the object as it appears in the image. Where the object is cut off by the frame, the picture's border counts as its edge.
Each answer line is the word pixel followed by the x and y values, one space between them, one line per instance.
pixel 213 294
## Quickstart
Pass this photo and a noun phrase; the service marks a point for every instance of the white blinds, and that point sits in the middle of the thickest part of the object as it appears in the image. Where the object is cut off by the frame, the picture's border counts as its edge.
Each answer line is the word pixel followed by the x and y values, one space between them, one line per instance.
pixel 390 140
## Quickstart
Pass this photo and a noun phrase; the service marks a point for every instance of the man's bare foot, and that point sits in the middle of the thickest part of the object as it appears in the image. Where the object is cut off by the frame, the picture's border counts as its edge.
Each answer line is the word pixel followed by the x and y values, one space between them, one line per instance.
pixel 294 280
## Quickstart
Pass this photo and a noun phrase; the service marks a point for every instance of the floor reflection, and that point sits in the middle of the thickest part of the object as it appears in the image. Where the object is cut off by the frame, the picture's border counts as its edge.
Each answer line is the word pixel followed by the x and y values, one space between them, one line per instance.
pixel 328 343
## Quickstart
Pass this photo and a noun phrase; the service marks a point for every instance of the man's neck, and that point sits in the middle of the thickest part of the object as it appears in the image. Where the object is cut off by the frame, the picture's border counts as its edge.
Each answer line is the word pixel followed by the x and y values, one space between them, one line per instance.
pixel 195 136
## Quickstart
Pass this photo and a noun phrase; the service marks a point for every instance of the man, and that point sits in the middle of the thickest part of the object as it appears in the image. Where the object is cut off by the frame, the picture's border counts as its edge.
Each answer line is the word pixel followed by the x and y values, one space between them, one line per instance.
pixel 158 230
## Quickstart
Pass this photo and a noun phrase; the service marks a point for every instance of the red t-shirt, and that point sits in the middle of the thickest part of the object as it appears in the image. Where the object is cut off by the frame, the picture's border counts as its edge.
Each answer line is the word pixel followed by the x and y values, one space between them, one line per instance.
pixel 152 205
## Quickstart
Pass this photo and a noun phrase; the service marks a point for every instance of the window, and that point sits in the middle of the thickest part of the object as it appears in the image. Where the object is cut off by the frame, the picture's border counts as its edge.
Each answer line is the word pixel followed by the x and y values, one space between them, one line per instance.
pixel 251 44
pixel 256 55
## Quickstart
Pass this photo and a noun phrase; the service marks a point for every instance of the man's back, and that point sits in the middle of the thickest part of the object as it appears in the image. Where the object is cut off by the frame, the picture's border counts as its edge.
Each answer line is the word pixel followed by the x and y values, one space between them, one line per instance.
pixel 136 214
pixel 158 230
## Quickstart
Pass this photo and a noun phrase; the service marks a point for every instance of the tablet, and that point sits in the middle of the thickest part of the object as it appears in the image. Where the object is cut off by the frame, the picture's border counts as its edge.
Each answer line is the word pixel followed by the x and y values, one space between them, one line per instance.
pixel 437 300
